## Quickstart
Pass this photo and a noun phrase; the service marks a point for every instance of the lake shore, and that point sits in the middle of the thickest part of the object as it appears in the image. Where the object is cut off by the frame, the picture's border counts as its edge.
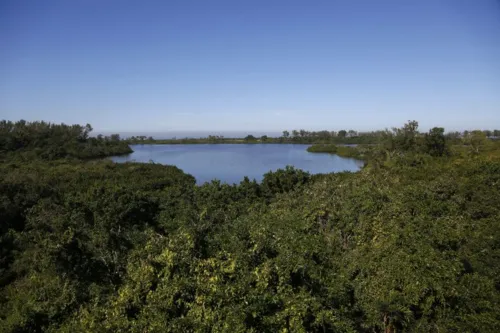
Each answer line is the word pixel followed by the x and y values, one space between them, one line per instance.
pixel 231 163
pixel 359 152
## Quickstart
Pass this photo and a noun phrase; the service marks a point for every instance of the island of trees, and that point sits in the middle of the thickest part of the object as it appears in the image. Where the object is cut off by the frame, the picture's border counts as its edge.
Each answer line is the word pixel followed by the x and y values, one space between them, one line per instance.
pixel 411 243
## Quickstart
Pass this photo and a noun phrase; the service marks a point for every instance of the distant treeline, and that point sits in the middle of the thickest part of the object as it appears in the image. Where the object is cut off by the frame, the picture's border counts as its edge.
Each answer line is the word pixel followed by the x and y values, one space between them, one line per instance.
pixel 302 137
pixel 53 141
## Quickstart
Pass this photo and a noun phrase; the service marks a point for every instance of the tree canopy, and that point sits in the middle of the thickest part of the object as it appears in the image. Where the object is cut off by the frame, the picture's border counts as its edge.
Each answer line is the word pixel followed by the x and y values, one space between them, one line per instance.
pixel 408 244
pixel 50 141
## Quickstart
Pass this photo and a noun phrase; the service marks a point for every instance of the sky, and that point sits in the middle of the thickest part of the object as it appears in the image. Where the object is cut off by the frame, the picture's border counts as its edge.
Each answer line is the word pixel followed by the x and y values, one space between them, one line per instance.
pixel 264 65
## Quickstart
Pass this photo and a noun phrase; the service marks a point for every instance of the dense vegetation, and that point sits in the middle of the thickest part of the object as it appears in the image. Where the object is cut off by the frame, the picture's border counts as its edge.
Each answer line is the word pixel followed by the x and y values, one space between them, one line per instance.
pixel 361 152
pixel 53 141
pixel 411 243
pixel 402 140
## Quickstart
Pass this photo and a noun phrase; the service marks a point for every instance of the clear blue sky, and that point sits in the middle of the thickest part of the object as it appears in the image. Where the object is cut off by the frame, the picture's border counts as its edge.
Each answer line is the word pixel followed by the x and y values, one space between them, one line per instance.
pixel 251 64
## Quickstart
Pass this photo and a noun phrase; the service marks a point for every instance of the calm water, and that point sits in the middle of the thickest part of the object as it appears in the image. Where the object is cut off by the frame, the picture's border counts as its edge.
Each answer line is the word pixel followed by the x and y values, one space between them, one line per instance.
pixel 231 162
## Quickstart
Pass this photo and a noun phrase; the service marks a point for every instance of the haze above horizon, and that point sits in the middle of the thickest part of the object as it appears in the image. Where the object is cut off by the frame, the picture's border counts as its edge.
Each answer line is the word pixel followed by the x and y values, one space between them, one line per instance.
pixel 160 66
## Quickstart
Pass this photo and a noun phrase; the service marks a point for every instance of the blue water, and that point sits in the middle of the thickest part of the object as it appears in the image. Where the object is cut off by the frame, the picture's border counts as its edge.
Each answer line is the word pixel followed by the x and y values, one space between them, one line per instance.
pixel 231 162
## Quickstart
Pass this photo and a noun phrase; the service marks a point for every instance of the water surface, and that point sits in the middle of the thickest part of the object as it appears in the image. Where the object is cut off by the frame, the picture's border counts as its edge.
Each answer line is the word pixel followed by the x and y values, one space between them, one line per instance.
pixel 231 162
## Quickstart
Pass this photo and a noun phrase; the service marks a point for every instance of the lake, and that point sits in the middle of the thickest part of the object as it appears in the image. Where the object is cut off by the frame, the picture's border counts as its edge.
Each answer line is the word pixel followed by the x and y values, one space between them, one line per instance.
pixel 231 162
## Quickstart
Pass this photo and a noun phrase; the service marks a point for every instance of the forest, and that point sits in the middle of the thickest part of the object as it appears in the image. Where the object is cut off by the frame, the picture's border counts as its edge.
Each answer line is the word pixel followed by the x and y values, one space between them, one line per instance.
pixel 42 140
pixel 411 243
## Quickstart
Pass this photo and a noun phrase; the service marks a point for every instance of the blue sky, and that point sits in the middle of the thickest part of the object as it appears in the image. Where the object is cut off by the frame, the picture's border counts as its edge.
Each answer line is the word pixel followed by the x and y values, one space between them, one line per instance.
pixel 251 64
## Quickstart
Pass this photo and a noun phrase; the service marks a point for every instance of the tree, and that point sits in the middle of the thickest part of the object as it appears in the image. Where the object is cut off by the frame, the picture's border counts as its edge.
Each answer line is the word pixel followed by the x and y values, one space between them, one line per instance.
pixel 454 135
pixel 86 131
pixel 477 141
pixel 263 138
pixel 249 138
pixel 54 141
pixel 286 134
pixel 324 134
pixel 342 133
pixel 284 180
pixel 435 142
pixel 403 139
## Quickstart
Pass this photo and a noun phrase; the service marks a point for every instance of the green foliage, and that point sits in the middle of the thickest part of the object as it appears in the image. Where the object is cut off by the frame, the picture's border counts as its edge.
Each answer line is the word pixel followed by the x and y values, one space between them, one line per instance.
pixel 477 142
pixel 323 148
pixel 361 152
pixel 403 139
pixel 435 142
pixel 250 138
pixel 48 141
pixel 283 180
pixel 408 244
